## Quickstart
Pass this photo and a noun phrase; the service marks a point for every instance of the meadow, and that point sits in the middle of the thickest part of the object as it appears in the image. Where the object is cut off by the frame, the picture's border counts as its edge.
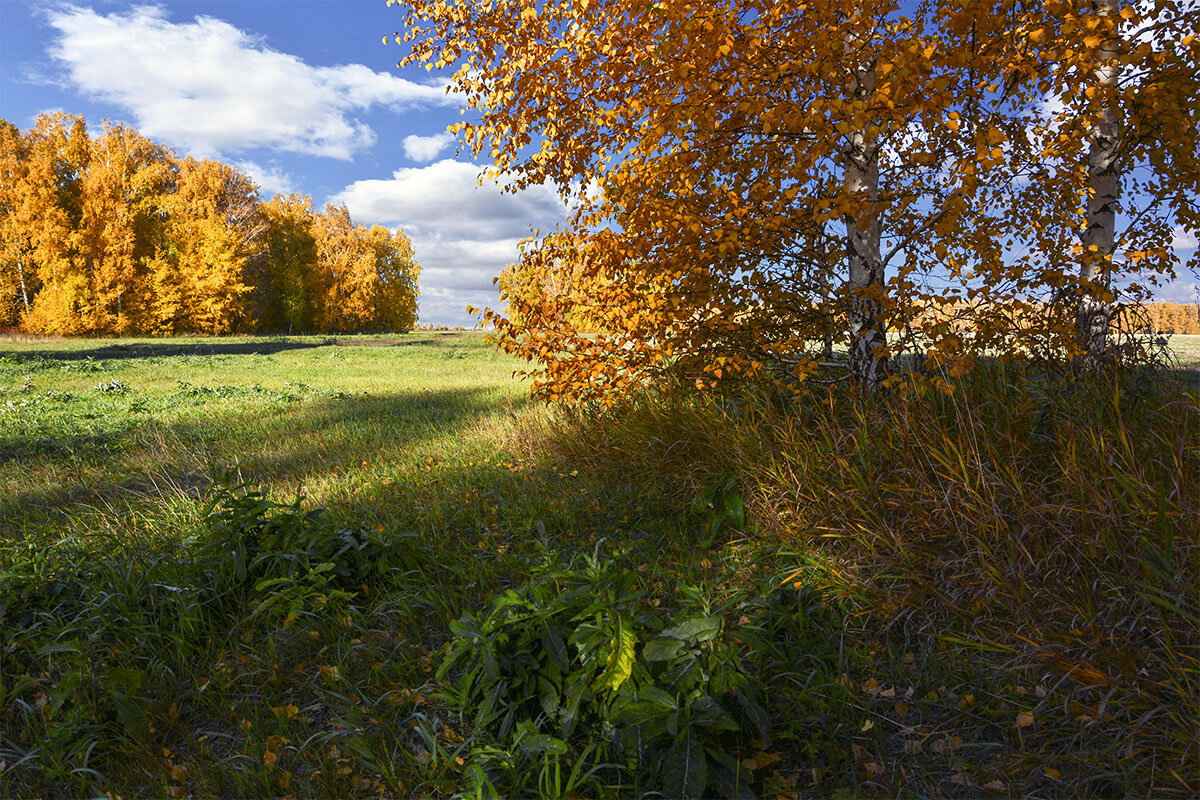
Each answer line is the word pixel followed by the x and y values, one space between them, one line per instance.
pixel 370 566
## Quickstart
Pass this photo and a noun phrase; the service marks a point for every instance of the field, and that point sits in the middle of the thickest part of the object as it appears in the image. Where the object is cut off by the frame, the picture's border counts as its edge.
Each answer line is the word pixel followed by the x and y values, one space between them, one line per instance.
pixel 994 594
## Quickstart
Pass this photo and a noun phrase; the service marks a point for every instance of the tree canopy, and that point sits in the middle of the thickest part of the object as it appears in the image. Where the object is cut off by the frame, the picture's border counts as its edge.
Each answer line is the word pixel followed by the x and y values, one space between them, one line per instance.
pixel 116 234
pixel 755 184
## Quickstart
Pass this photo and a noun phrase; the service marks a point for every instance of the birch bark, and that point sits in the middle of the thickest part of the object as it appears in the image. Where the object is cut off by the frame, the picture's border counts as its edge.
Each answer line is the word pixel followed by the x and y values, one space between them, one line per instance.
pixel 1099 235
pixel 868 335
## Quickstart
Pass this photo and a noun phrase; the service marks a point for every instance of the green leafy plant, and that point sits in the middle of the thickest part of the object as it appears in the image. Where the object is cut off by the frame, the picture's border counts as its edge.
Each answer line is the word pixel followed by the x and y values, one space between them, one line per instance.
pixel 719 508
pixel 577 666
pixel 300 560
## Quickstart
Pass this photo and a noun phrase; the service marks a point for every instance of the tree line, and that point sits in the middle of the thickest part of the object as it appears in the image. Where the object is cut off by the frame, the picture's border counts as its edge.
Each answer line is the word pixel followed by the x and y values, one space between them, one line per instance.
pixel 756 184
pixel 114 233
pixel 1172 318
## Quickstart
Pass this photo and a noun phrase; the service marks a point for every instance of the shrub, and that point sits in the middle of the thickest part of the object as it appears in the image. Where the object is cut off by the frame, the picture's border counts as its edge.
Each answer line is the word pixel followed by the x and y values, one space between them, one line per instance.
pixel 577 666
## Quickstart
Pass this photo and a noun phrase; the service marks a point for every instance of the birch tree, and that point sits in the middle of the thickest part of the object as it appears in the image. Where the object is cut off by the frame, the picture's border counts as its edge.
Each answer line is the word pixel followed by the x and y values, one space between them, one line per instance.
pixel 711 152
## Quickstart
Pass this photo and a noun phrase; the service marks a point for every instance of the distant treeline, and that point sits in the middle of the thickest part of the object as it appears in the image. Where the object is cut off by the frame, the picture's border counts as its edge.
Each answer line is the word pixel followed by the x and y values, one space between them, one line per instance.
pixel 1168 318
pixel 116 234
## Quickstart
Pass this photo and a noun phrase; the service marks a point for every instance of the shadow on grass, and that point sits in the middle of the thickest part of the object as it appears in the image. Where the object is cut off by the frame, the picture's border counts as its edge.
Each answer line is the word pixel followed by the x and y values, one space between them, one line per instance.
pixel 292 442
pixel 136 350
pixel 225 347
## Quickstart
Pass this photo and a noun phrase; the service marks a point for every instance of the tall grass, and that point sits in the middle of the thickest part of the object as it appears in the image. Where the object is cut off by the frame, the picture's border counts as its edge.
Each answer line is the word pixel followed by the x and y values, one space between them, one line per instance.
pixel 1046 527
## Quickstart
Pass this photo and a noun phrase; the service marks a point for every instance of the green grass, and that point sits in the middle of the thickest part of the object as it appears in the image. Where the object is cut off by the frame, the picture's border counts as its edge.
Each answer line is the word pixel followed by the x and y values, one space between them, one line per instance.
pixel 348 422
pixel 1186 350
pixel 992 593
pixel 109 452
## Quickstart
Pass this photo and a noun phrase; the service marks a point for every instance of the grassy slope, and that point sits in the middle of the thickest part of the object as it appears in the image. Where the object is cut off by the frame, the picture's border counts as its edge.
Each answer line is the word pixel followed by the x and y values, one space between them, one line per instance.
pixel 428 434
pixel 407 435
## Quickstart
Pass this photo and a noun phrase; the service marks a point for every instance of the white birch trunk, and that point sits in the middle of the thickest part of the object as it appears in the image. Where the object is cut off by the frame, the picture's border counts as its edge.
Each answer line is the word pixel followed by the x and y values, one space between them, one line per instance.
pixel 1099 237
pixel 865 280
pixel 24 291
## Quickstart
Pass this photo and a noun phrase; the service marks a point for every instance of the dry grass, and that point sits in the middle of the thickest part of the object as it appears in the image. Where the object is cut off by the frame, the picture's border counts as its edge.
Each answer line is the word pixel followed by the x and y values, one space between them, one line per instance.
pixel 1045 536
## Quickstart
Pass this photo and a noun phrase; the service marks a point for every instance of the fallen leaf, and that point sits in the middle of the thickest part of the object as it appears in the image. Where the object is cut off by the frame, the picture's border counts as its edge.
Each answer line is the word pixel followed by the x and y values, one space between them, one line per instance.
pixel 901 709
pixel 1024 719
pixel 759 760
pixel 1051 773
pixel 269 758
pixel 873 769
pixel 994 786
pixel 285 712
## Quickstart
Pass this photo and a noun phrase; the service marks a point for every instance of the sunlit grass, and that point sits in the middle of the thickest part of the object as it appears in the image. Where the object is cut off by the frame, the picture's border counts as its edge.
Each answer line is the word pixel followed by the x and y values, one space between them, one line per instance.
pixel 343 422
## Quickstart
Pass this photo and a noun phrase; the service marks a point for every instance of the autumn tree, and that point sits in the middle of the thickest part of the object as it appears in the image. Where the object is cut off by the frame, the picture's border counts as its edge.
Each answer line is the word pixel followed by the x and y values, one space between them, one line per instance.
pixel 115 234
pixel 290 251
pixel 104 288
pixel 397 290
pixel 364 279
pixel 16 273
pixel 40 206
pixel 214 245
pixel 748 178
pixel 1114 96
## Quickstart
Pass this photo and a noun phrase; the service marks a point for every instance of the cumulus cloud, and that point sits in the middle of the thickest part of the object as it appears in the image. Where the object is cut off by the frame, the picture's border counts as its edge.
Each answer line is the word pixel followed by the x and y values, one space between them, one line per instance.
pixel 446 198
pixel 1182 240
pixel 270 180
pixel 426 148
pixel 211 88
pixel 463 233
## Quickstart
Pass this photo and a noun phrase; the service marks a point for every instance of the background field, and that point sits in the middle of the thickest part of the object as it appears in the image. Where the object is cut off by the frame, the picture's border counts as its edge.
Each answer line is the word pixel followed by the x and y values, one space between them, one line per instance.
pixel 134 427
pixel 906 676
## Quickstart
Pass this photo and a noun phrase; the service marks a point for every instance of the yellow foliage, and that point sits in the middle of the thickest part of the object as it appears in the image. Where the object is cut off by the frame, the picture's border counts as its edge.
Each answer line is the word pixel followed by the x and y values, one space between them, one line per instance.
pixel 770 183
pixel 115 234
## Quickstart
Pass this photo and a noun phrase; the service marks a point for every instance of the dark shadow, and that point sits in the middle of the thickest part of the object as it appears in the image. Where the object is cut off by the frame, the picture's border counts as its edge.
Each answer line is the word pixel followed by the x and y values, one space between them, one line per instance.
pixel 225 347
pixel 165 349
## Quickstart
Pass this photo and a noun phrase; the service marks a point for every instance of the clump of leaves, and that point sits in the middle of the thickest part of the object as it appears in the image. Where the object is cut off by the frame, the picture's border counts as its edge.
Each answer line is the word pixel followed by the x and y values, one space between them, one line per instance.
pixel 299 559
pixel 719 508
pixel 578 666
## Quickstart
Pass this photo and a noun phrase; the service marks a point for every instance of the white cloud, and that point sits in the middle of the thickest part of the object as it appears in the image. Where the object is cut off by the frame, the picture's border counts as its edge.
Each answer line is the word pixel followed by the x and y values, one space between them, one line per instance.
pixel 446 199
pixel 211 88
pixel 463 233
pixel 1177 291
pixel 1182 240
pixel 426 148
pixel 270 180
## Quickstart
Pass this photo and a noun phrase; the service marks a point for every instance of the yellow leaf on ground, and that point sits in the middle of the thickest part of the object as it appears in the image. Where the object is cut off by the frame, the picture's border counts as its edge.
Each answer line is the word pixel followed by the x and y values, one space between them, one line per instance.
pixel 285 712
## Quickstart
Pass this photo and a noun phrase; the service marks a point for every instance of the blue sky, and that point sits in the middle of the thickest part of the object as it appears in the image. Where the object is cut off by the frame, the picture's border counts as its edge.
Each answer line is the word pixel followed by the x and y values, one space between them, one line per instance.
pixel 304 96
